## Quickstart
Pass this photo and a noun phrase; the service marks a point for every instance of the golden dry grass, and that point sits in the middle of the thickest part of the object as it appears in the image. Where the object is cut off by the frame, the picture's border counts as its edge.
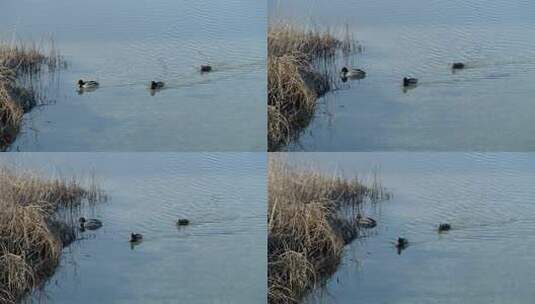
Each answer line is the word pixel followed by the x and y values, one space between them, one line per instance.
pixel 32 235
pixel 17 60
pixel 306 229
pixel 294 83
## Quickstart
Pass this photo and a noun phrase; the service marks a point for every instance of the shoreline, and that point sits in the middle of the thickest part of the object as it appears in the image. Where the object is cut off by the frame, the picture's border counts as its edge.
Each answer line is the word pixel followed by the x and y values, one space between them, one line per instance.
pixel 307 230
pixel 32 232
pixel 20 62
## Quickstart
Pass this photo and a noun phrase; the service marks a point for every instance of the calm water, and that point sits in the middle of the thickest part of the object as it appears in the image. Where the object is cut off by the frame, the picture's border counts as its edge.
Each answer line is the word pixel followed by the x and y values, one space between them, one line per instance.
pixel 485 258
pixel 124 45
pixel 486 107
pixel 219 258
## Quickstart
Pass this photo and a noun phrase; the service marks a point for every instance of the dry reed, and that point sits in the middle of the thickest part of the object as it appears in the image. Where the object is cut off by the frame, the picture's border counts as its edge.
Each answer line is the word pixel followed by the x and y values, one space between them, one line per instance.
pixel 306 228
pixel 32 234
pixel 17 60
pixel 294 82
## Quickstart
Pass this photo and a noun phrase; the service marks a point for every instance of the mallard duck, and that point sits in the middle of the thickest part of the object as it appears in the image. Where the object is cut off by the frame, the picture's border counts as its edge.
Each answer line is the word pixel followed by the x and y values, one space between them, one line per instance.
pixel 182 222
pixel 155 85
pixel 89 224
pixel 365 222
pixel 353 73
pixel 458 66
pixel 444 227
pixel 402 243
pixel 206 68
pixel 409 81
pixel 135 237
pixel 87 84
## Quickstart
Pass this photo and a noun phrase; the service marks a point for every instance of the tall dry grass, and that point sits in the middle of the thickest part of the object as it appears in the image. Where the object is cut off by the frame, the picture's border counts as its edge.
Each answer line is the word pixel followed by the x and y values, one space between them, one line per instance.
pixel 20 60
pixel 32 234
pixel 294 82
pixel 306 226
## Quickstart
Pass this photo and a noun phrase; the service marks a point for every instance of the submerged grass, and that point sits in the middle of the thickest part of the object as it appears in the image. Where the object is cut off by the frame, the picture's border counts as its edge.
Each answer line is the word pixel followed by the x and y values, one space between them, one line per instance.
pixel 294 82
pixel 18 61
pixel 32 234
pixel 306 226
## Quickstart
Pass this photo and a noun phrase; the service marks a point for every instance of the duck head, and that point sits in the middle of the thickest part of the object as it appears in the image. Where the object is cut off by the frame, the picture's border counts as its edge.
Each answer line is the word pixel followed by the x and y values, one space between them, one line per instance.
pixel 80 83
pixel 344 71
pixel 153 85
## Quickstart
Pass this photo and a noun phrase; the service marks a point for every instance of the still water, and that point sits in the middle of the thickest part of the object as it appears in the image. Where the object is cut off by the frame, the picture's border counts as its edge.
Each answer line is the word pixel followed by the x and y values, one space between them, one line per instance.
pixel 219 258
pixel 486 107
pixel 126 44
pixel 489 200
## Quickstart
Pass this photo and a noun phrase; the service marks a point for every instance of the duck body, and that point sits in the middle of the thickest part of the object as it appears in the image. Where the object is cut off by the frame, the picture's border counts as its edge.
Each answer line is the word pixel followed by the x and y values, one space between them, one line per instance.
pixel 444 227
pixel 91 84
pixel 182 222
pixel 206 68
pixel 458 66
pixel 365 222
pixel 402 243
pixel 408 81
pixel 135 237
pixel 352 74
pixel 155 85
pixel 89 224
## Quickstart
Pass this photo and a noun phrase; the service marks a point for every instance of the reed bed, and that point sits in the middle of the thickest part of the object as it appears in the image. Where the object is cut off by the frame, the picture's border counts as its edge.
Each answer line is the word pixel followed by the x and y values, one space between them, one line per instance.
pixel 32 233
pixel 306 228
pixel 20 61
pixel 294 82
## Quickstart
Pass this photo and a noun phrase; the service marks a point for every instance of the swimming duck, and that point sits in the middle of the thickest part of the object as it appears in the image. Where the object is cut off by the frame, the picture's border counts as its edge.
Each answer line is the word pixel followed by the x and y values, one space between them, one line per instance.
pixel 444 227
pixel 154 85
pixel 135 237
pixel 87 84
pixel 402 243
pixel 409 81
pixel 89 224
pixel 206 68
pixel 458 66
pixel 353 73
pixel 365 222
pixel 182 222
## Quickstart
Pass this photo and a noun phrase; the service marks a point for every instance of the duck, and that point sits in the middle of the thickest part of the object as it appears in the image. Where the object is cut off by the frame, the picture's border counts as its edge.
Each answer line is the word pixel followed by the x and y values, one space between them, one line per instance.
pixel 89 224
pixel 353 73
pixel 182 222
pixel 458 66
pixel 408 81
pixel 155 85
pixel 402 243
pixel 444 227
pixel 87 84
pixel 135 237
pixel 365 222
pixel 205 68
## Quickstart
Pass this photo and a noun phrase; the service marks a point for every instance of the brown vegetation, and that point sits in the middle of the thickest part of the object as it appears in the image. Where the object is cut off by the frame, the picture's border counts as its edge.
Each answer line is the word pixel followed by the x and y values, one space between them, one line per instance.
pixel 32 234
pixel 15 99
pixel 307 228
pixel 294 83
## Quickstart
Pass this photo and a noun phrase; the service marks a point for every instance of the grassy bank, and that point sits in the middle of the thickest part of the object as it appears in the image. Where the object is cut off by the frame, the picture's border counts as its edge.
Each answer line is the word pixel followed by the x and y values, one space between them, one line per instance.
pixel 307 228
pixel 294 82
pixel 16 98
pixel 32 233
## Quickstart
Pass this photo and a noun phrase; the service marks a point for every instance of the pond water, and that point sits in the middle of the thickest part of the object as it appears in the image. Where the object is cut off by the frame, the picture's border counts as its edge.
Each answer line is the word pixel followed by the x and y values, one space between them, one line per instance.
pixel 486 107
pixel 124 45
pixel 219 258
pixel 486 258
